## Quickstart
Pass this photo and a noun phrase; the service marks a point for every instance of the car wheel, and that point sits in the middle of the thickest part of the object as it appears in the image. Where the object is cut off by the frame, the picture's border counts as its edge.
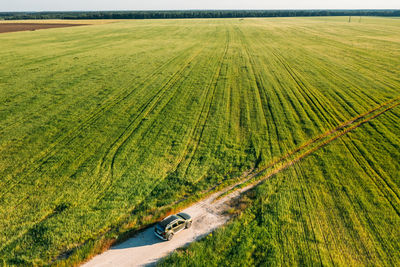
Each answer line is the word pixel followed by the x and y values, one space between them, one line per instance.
pixel 188 224
pixel 170 236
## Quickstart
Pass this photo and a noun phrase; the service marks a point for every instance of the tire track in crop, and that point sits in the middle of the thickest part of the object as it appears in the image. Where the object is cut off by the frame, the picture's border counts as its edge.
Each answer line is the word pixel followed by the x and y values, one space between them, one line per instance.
pixel 382 186
pixel 332 131
pixel 201 121
pixel 340 131
pixel 300 173
pixel 379 173
pixel 207 106
pixel 319 101
pixel 105 169
pixel 363 60
pixel 347 78
pixel 64 141
pixel 339 204
pixel 371 225
pixel 353 94
pixel 301 218
pixel 195 134
pixel 313 100
pixel 185 150
pixel 82 51
pixel 355 202
pixel 108 104
pixel 49 78
pixel 263 173
pixel 260 84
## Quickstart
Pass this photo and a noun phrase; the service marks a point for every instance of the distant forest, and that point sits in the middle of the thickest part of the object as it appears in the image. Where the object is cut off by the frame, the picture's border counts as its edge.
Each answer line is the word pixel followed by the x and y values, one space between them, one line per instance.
pixel 192 14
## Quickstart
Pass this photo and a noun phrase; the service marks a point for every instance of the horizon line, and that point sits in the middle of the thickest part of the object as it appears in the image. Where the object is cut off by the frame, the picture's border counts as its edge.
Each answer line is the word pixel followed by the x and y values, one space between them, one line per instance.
pixel 169 10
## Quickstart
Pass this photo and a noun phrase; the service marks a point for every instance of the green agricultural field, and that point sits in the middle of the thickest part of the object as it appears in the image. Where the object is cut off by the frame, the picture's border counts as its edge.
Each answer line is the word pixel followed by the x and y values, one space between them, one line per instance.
pixel 338 207
pixel 105 128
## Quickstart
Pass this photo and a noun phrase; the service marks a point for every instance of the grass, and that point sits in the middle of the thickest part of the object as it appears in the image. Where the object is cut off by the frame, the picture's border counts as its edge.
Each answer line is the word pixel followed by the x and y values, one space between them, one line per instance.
pixel 104 128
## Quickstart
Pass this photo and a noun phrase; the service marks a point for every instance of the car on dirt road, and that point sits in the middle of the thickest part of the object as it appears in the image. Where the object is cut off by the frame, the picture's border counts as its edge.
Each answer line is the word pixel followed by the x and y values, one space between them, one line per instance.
pixel 171 225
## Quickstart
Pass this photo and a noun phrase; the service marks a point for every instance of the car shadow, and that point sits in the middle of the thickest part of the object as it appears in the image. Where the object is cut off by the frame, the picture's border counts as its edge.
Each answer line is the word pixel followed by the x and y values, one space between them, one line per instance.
pixel 145 238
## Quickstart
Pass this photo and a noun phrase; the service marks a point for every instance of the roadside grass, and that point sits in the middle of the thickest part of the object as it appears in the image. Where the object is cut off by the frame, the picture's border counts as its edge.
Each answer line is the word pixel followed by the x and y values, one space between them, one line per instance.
pixel 106 128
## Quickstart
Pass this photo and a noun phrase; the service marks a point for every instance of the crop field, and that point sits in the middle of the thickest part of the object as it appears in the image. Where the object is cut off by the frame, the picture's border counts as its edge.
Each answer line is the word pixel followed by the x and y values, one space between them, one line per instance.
pixel 339 206
pixel 106 128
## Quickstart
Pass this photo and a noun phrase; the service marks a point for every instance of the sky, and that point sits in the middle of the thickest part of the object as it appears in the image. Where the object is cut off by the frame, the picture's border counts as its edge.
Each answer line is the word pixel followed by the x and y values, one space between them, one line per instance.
pixel 83 5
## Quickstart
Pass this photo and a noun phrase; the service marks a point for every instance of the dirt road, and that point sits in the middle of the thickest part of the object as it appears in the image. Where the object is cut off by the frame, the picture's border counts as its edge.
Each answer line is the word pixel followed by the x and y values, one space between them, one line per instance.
pixel 145 249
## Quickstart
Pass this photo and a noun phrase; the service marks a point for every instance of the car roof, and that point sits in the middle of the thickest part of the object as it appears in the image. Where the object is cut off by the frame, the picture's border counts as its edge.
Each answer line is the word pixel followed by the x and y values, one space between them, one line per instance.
pixel 184 215
pixel 168 220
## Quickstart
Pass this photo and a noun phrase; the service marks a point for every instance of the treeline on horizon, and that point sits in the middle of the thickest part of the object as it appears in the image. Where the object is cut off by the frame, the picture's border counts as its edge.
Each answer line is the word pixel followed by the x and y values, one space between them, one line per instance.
pixel 192 14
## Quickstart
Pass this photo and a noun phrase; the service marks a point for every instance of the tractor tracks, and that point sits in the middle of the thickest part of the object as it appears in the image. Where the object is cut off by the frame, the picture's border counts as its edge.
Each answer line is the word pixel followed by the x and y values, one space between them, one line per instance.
pixel 36 163
pixel 27 169
pixel 105 169
pixel 196 133
pixel 201 123
pixel 263 173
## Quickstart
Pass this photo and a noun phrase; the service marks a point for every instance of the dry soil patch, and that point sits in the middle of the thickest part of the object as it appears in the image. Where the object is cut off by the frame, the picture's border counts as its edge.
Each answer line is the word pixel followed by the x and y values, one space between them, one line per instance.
pixel 16 27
